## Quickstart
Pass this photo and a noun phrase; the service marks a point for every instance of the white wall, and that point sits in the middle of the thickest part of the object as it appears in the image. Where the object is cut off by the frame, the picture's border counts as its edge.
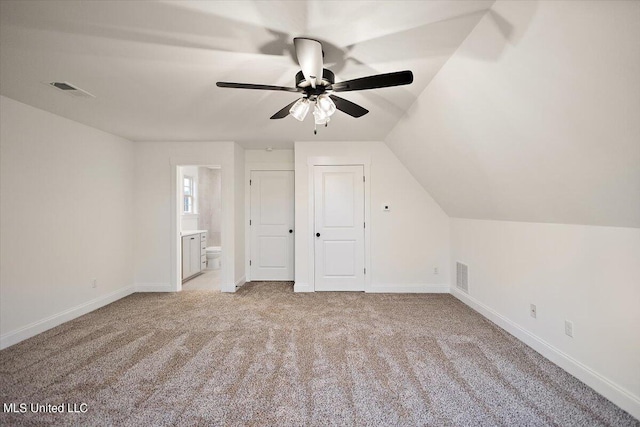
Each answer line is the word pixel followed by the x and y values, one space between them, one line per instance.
pixel 66 215
pixel 535 117
pixel 155 163
pixel 406 243
pixel 587 274
pixel 209 203
pixel 239 212
pixel 269 157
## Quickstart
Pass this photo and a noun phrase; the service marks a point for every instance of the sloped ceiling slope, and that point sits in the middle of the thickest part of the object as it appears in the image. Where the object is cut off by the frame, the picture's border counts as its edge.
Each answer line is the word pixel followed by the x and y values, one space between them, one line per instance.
pixel 535 118
pixel 153 65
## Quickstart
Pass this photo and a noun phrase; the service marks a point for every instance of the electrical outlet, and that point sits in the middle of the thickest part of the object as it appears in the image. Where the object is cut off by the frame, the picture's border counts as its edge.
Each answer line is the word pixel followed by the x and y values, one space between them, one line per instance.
pixel 435 270
pixel 94 283
pixel 532 311
pixel 568 328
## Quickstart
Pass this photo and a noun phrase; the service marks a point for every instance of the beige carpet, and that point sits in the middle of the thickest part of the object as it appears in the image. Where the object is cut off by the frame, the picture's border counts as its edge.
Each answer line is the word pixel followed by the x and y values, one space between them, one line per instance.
pixel 267 356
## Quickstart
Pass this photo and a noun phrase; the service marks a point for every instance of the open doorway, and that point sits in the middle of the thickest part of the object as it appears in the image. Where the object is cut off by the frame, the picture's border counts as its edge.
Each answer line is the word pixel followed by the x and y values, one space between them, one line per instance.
pixel 200 227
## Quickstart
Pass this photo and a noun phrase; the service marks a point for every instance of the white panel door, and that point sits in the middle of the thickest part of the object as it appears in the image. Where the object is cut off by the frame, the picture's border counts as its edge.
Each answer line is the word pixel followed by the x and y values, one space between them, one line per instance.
pixel 339 228
pixel 271 225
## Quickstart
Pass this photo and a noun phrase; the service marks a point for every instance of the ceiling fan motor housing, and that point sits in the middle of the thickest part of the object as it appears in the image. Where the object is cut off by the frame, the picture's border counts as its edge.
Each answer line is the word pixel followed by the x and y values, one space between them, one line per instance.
pixel 328 78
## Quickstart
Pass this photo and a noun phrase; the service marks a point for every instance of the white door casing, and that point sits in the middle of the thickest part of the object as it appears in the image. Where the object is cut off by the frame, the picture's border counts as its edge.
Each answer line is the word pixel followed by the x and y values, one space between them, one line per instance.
pixel 339 224
pixel 272 225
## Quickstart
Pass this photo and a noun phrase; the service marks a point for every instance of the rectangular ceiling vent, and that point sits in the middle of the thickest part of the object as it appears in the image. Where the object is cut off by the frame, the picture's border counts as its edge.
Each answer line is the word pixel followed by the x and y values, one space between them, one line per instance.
pixel 462 277
pixel 72 90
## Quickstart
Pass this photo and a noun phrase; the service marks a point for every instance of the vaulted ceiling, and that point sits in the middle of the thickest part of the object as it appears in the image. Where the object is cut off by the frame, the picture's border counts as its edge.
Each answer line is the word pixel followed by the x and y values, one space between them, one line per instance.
pixel 535 118
pixel 520 110
pixel 153 65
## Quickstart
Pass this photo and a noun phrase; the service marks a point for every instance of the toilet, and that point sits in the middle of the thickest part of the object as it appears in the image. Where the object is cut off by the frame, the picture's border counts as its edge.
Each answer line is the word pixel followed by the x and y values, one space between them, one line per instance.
pixel 213 257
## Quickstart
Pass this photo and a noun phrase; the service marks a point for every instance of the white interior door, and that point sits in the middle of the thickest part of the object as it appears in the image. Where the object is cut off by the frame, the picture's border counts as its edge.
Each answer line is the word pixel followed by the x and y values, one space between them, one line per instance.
pixel 271 225
pixel 339 228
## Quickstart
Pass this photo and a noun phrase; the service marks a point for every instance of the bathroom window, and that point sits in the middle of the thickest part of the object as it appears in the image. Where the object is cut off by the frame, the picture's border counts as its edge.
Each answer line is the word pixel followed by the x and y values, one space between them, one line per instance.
pixel 187 195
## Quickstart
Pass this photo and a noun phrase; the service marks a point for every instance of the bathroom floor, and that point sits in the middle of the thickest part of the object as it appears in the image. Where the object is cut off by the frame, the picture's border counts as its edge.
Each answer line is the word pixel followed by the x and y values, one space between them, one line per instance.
pixel 209 281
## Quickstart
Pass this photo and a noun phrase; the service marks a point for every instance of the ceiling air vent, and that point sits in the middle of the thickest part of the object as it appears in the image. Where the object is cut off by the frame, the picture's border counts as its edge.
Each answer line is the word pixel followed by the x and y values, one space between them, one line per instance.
pixel 462 277
pixel 70 89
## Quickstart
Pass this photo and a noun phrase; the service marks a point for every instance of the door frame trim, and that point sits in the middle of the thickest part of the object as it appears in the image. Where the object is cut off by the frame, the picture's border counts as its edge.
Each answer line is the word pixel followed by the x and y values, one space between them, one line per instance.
pixel 267 167
pixel 227 283
pixel 365 162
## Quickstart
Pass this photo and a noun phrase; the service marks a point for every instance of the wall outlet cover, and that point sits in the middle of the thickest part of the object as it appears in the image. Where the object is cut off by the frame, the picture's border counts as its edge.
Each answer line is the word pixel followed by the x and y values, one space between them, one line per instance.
pixel 568 328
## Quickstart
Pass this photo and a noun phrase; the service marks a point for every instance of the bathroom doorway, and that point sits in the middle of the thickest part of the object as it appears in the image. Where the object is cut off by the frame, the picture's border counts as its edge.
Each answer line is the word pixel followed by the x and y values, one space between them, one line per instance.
pixel 199 201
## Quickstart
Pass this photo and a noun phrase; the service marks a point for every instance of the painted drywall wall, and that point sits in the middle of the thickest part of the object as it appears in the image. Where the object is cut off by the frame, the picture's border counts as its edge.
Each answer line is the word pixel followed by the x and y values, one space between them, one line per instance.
pixel 239 224
pixel 535 117
pixel 155 164
pixel 209 203
pixel 271 157
pixel 66 217
pixel 407 243
pixel 586 274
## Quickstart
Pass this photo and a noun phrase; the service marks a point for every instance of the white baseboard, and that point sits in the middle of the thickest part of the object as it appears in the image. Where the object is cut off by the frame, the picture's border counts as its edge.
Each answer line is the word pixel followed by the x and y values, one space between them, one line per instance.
pixel 414 288
pixel 241 281
pixel 302 287
pixel 35 328
pixel 612 391
pixel 154 287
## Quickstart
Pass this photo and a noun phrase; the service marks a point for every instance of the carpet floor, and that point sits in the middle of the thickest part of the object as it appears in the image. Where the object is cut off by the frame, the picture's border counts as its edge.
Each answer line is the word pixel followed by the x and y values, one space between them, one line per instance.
pixel 267 356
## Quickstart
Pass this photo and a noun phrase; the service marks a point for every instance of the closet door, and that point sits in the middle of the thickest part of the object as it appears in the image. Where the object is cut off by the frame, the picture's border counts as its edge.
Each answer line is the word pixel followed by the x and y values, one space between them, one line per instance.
pixel 339 228
pixel 271 224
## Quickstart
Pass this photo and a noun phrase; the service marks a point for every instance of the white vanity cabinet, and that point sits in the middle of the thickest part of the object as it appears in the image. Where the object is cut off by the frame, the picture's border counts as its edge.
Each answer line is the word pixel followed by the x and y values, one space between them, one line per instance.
pixel 194 254
pixel 203 251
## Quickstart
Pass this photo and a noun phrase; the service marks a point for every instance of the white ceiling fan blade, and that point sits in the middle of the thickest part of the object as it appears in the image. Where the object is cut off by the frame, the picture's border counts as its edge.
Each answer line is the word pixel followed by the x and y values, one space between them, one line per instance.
pixel 309 54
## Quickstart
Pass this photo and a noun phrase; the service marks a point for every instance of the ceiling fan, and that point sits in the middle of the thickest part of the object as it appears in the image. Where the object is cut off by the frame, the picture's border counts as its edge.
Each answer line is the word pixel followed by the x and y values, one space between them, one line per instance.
pixel 317 85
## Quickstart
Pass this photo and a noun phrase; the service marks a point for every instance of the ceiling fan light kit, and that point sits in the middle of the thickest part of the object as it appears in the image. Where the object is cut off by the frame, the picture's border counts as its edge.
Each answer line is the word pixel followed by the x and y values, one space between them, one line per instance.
pixel 300 109
pixel 319 117
pixel 326 105
pixel 320 91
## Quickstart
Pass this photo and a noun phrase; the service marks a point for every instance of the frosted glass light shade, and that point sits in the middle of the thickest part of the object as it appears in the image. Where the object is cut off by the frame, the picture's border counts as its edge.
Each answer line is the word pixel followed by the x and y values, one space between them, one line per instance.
pixel 319 115
pixel 300 109
pixel 326 104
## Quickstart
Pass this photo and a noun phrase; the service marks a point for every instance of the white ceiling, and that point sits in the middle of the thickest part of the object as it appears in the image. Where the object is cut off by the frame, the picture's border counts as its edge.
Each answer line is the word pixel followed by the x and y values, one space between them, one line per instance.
pixel 153 65
pixel 535 118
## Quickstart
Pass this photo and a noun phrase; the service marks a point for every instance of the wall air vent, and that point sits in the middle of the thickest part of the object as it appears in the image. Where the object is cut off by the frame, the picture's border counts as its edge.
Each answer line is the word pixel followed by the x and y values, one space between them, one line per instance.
pixel 72 90
pixel 462 277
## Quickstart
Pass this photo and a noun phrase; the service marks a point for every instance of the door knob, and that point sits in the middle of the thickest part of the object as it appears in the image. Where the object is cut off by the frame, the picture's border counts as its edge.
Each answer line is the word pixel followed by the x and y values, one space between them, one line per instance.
pixel 317 234
pixel 290 231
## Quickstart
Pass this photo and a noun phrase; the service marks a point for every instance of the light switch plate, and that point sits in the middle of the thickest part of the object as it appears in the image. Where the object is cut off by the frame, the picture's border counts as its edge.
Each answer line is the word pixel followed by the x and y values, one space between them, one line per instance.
pixel 386 207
